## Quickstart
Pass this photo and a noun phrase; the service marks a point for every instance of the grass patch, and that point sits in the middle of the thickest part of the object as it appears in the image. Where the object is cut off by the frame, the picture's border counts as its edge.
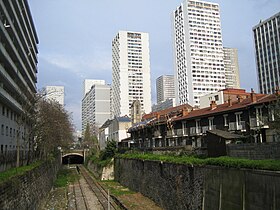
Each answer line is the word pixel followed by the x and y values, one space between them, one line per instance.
pixel 228 162
pixel 115 188
pixel 6 175
pixel 65 176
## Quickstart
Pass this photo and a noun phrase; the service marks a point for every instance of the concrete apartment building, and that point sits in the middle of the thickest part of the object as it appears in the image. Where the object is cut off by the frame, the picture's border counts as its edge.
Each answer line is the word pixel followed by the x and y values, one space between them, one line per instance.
pixel 231 67
pixel 267 53
pixel 96 107
pixel 18 73
pixel 198 51
pixel 130 72
pixel 165 88
pixel 88 83
pixel 55 93
pixel 168 103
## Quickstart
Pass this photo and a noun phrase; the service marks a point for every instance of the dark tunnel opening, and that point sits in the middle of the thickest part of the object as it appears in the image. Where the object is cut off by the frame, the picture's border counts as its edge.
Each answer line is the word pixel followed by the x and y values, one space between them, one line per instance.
pixel 72 159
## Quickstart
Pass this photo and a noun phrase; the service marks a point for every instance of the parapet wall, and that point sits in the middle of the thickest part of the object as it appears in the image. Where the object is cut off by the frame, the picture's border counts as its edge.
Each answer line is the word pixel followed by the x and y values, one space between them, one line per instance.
pixel 257 151
pixel 29 190
pixel 178 186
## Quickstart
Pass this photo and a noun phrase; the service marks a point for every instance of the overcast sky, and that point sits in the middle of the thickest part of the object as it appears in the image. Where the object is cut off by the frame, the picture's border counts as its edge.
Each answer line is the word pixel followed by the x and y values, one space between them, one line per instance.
pixel 75 38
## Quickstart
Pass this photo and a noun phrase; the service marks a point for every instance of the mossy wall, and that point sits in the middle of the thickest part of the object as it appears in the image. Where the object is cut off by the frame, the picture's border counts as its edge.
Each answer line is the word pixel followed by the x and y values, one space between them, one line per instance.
pixel 186 187
pixel 29 190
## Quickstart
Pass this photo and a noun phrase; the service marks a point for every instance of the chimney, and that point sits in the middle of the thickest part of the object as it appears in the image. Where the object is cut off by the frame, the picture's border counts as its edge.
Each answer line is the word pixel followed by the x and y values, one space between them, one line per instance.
pixel 229 101
pixel 185 111
pixel 213 105
pixel 253 96
pixel 239 99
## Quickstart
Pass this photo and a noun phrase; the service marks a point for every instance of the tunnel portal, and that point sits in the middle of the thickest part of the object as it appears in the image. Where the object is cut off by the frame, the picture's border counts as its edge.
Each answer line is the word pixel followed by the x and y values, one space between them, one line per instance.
pixel 73 159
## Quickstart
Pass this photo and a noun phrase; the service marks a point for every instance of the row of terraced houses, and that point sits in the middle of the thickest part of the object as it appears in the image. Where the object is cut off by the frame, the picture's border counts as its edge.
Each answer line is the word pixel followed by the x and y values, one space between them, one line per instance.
pixel 242 118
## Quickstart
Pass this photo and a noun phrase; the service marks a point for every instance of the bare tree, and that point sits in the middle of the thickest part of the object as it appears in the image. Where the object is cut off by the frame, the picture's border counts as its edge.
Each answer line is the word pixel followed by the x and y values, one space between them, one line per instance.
pixel 53 127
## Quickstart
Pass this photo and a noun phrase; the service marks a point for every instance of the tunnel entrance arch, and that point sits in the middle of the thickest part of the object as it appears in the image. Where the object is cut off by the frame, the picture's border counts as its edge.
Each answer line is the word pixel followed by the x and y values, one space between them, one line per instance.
pixel 73 158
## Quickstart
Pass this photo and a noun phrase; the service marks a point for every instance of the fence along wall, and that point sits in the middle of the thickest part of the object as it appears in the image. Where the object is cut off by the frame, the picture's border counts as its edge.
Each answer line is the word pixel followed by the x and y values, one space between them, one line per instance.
pixel 177 186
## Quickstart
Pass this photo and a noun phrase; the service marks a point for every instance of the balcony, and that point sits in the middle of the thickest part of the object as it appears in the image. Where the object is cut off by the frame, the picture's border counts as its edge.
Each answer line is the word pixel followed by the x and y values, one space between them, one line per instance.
pixel 208 128
pixel 260 122
pixel 234 126
pixel 157 134
pixel 195 131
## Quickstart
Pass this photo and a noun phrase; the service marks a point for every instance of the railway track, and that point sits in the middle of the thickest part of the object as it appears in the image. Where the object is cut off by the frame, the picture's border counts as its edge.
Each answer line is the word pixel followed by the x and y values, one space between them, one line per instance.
pixel 88 194
pixel 101 194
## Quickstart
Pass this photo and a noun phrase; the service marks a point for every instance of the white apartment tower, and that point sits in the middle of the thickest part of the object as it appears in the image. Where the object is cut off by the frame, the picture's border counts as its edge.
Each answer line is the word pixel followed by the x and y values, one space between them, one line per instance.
pixel 55 93
pixel 96 107
pixel 131 72
pixel 18 79
pixel 198 51
pixel 231 68
pixel 165 88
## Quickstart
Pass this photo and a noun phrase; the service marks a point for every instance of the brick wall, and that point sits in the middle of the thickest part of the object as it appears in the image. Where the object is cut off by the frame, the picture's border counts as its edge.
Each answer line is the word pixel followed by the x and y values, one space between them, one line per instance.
pixel 28 190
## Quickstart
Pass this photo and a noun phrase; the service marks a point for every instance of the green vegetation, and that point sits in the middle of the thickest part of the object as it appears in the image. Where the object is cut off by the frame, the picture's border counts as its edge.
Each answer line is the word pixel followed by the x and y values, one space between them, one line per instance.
pixel 13 172
pixel 104 158
pixel 228 162
pixel 64 177
pixel 115 188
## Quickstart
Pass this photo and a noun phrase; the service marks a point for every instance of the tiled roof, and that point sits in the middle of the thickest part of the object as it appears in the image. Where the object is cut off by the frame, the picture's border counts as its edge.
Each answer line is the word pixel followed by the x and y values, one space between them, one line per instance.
pixel 123 119
pixel 167 111
pixel 260 98
pixel 225 134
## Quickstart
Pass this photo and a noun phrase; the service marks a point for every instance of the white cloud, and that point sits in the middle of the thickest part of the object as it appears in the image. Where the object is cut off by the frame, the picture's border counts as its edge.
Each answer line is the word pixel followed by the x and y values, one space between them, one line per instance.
pixel 82 65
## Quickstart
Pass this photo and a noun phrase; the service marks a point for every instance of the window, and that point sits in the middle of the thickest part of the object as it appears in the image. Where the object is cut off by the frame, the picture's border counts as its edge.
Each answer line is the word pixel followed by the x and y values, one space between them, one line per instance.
pixel 2 129
pixel 197 126
pixel 211 123
pixel 259 114
pixel 271 114
pixel 238 118
pixel 225 120
pixel 184 126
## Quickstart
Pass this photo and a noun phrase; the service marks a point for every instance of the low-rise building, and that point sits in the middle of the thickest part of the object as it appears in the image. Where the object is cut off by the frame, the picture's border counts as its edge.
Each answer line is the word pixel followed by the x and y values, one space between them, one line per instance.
pixel 118 128
pixel 103 134
pixel 222 96
pixel 248 117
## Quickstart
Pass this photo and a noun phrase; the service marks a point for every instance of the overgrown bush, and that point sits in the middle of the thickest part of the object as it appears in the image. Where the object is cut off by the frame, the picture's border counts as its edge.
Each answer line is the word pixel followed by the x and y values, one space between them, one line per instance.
pixel 228 162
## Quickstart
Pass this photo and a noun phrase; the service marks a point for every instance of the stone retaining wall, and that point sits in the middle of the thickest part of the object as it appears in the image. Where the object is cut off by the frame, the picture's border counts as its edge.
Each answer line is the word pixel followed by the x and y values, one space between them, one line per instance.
pixel 255 151
pixel 178 186
pixel 29 190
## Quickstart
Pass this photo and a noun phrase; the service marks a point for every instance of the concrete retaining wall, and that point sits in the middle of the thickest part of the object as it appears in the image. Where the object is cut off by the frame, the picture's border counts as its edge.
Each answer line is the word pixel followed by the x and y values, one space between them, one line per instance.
pixel 177 186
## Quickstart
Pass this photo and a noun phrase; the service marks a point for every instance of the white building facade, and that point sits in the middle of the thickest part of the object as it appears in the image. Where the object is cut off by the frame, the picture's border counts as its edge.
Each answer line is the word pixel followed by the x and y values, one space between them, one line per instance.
pixel 18 77
pixel 96 107
pixel 231 67
pixel 267 53
pixel 165 88
pixel 130 72
pixel 55 93
pixel 198 51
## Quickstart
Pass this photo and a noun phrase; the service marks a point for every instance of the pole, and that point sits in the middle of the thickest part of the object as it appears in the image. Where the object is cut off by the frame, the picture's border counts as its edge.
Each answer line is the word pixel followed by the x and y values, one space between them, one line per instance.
pixel 108 199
